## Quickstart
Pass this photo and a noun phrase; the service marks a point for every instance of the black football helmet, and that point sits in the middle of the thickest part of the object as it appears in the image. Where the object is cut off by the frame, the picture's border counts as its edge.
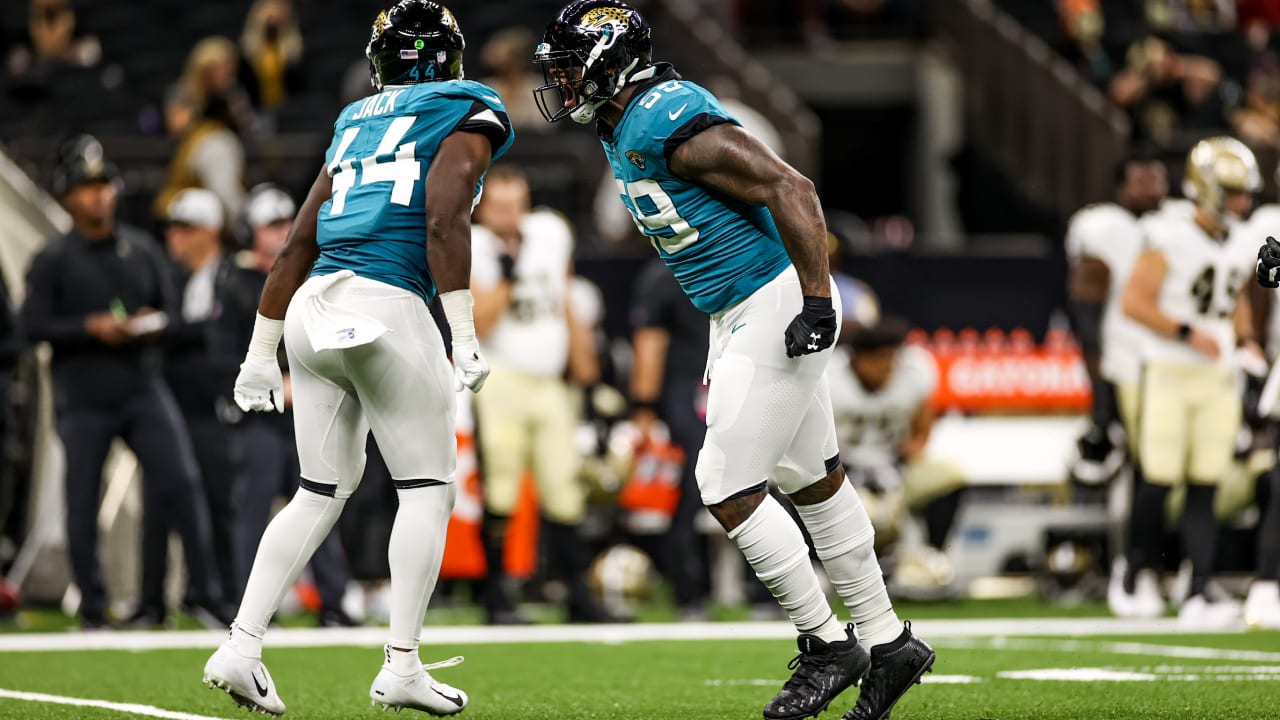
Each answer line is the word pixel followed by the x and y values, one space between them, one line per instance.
pixel 588 53
pixel 414 41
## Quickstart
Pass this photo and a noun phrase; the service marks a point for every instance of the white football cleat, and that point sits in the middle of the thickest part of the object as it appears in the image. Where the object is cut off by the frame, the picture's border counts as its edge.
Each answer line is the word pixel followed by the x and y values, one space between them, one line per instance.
pixel 245 679
pixel 1144 602
pixel 417 692
pixel 1200 613
pixel 1262 606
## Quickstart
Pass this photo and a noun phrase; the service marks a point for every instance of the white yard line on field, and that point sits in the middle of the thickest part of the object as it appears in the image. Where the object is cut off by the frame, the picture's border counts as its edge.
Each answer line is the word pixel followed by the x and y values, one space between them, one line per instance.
pixel 132 708
pixel 1116 648
pixel 487 635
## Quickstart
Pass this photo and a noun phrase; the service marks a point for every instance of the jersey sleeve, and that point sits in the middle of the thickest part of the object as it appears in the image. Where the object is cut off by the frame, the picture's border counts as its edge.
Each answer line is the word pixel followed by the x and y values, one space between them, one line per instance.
pixel 489 122
pixel 1090 234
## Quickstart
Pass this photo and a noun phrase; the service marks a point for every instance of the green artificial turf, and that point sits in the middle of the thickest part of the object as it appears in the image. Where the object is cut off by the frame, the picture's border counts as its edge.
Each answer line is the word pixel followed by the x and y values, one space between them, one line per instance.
pixel 703 680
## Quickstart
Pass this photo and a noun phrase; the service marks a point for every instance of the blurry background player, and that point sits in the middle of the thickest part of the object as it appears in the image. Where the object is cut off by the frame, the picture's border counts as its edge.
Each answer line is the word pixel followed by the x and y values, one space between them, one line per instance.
pixel 268 454
pixel 745 236
pixel 880 396
pixel 521 264
pixel 1103 243
pixel 1188 291
pixel 100 296
pixel 385 228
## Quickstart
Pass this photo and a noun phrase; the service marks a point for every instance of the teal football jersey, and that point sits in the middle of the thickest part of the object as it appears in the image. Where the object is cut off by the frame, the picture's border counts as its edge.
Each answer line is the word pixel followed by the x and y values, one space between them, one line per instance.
pixel 721 250
pixel 375 222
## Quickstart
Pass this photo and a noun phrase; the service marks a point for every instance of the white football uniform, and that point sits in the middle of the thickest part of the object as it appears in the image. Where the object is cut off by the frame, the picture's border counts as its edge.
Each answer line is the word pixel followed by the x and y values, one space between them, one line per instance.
pixel 526 416
pixel 1189 404
pixel 1112 235
pixel 871 426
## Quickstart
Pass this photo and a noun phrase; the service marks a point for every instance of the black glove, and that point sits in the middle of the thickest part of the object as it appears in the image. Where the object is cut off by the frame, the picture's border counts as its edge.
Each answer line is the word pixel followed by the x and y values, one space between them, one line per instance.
pixel 1268 269
pixel 507 265
pixel 813 330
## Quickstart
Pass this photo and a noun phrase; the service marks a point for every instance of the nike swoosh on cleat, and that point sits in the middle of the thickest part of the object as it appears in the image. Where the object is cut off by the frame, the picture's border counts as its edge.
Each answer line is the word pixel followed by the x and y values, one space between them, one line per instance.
pixel 676 114
pixel 736 328
pixel 262 689
pixel 455 699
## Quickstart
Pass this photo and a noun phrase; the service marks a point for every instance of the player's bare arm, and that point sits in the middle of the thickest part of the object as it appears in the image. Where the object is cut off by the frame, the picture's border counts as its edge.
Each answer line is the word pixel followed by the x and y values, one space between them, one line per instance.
pixel 1142 303
pixel 730 160
pixel 649 360
pixel 299 254
pixel 1242 321
pixel 918 434
pixel 462 160
pixel 584 366
pixel 491 304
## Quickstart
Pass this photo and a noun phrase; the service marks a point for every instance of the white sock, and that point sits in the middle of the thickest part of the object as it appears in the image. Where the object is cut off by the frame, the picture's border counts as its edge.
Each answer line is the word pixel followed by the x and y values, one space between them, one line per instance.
pixel 845 541
pixel 286 546
pixel 404 663
pixel 773 545
pixel 414 553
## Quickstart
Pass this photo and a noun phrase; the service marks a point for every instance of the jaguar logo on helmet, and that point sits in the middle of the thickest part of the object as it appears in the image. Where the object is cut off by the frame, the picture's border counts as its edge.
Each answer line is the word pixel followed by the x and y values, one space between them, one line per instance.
pixel 599 17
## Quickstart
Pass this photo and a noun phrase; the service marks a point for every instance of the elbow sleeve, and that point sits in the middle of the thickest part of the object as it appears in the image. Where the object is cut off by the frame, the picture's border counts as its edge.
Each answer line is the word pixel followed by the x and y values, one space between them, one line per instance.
pixel 1086 321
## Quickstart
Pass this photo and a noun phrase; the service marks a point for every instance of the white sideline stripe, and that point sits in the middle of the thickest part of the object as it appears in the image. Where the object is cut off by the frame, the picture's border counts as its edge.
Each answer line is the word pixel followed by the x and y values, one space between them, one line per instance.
pixel 638 632
pixel 1115 648
pixel 132 708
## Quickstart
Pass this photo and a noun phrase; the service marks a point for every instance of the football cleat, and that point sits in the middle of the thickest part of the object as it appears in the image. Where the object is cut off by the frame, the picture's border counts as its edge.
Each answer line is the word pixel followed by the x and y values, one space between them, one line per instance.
pixel 1204 613
pixel 895 667
pixel 245 679
pixel 1144 602
pixel 822 671
pixel 1100 453
pixel 1262 606
pixel 418 691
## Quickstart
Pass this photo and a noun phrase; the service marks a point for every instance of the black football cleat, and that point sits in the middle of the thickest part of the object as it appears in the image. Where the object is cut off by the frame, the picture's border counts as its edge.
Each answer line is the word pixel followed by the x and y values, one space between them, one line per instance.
pixel 822 671
pixel 895 667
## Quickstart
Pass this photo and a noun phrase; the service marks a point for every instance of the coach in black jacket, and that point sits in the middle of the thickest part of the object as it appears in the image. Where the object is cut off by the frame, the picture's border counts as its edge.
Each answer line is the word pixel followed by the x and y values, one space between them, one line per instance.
pixel 99 296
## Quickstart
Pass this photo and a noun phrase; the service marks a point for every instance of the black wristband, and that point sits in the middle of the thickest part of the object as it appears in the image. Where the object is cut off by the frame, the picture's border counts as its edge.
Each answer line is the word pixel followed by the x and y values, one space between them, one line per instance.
pixel 507 265
pixel 650 405
pixel 1184 332
pixel 814 303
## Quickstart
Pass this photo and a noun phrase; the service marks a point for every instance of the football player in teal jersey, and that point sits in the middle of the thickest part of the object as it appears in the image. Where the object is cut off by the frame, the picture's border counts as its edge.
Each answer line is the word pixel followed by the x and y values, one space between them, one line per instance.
pixel 745 236
pixel 385 228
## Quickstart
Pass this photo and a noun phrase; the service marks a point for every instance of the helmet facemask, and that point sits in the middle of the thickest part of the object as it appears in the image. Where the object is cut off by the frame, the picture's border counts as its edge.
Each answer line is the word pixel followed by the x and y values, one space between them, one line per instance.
pixel 589 82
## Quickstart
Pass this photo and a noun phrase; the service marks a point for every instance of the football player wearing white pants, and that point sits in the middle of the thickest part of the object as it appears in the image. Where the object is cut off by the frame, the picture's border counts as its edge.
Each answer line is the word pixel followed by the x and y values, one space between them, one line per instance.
pixel 1188 291
pixel 745 236
pixel 385 227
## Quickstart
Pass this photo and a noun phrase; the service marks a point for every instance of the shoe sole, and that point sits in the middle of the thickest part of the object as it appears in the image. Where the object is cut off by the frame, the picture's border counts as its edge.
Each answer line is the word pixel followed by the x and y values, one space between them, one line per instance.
pixel 243 701
pixel 926 668
pixel 384 707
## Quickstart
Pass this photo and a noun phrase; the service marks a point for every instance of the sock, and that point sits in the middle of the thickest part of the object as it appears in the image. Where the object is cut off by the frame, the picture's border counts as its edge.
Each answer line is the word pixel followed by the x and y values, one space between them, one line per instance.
pixel 940 516
pixel 1269 529
pixel 414 553
pixel 845 541
pixel 494 533
pixel 286 546
pixel 567 562
pixel 772 543
pixel 1200 534
pixel 1146 530
pixel 405 663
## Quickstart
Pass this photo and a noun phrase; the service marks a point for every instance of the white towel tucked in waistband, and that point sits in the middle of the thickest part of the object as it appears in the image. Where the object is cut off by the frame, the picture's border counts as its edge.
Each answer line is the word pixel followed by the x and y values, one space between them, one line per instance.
pixel 331 326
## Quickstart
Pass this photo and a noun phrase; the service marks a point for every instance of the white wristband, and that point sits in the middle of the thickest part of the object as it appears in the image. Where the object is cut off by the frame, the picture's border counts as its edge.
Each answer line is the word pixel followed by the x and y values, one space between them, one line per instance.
pixel 266 337
pixel 457 306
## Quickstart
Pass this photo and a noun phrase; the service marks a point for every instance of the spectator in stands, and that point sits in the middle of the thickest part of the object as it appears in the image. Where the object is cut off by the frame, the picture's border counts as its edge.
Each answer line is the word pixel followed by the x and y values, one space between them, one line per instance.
pixel 51 43
pixel 1260 13
pixel 201 363
pixel 269 456
pixel 271 53
pixel 1082 24
pixel 522 261
pixel 209 155
pixel 506 56
pixel 211 72
pixel 99 296
pixel 1257 123
pixel 1165 91
pixel 1191 16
